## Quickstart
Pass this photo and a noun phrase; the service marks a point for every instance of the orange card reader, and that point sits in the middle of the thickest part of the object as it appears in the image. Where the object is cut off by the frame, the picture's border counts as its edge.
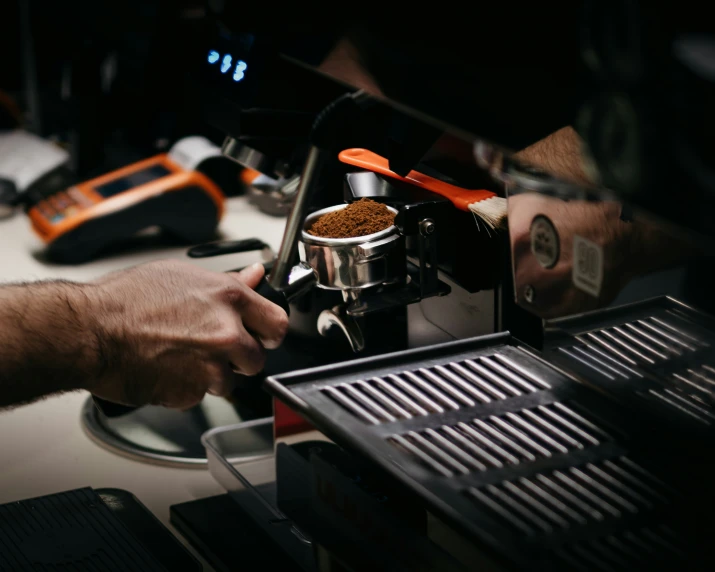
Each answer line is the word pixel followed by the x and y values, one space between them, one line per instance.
pixel 170 191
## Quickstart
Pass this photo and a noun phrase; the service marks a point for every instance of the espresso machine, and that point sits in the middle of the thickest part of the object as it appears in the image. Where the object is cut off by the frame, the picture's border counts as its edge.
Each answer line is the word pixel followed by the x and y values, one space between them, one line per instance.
pixel 347 298
pixel 409 286
pixel 576 433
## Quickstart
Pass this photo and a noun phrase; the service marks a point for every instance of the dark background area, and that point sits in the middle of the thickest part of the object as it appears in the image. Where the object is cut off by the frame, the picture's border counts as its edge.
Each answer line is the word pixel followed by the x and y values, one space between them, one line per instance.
pixel 113 78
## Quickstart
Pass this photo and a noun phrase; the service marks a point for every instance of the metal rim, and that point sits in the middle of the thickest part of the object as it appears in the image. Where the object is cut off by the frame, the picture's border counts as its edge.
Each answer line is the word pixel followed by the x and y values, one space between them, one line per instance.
pixel 95 430
pixel 310 239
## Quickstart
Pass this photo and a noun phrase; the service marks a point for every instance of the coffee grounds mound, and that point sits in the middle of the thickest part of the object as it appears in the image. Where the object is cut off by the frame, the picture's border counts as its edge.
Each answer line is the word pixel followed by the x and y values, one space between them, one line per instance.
pixel 360 218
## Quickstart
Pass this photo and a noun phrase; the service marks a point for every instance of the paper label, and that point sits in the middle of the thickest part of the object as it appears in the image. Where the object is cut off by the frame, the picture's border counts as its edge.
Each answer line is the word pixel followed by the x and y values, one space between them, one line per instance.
pixel 587 265
pixel 25 158
pixel 189 152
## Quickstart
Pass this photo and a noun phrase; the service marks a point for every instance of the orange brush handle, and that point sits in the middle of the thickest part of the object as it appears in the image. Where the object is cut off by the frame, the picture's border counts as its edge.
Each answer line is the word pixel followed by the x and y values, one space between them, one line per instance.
pixel 461 198
pixel 248 176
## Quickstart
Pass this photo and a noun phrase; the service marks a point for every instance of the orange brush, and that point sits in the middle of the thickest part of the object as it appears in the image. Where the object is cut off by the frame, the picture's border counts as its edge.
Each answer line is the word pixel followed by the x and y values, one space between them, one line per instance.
pixel 486 205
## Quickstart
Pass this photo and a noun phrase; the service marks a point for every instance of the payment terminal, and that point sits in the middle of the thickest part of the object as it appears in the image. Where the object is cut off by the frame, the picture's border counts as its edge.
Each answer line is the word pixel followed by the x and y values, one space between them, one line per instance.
pixel 172 191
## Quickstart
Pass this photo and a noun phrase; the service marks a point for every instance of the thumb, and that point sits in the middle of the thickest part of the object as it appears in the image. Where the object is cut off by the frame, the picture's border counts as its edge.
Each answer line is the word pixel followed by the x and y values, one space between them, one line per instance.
pixel 251 275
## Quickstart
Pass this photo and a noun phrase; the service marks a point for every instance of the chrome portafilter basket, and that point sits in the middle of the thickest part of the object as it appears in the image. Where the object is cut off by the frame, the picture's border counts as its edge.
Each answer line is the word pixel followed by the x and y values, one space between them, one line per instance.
pixel 352 266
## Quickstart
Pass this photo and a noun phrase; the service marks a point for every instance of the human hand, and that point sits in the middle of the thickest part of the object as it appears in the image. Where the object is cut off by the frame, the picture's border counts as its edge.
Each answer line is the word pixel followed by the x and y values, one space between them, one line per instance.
pixel 168 332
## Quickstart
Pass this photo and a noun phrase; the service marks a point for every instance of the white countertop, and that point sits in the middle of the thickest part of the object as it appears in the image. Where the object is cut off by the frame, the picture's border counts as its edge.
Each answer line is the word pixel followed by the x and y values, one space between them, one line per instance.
pixel 43 448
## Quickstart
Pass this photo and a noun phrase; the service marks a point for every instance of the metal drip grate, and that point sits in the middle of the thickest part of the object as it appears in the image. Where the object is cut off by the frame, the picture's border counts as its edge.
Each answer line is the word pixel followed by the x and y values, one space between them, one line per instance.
pixel 667 350
pixel 630 550
pixel 575 496
pixel 623 350
pixel 436 389
pixel 496 441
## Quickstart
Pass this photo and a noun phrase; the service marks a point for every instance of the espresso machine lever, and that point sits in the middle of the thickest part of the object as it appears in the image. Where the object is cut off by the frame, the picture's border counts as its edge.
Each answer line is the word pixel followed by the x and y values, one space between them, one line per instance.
pixel 278 277
pixel 324 135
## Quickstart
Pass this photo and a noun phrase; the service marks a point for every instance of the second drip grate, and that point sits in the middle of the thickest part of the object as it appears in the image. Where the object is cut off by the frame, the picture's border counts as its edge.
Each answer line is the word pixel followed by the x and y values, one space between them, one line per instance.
pixel 658 356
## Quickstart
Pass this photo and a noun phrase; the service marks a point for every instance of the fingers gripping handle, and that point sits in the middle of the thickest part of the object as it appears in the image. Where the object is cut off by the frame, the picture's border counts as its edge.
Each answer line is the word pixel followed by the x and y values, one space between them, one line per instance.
pixel 273 295
pixel 111 410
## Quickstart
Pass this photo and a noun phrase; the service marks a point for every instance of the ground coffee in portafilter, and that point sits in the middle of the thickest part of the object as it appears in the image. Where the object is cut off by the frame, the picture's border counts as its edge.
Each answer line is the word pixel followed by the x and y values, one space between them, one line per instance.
pixel 360 218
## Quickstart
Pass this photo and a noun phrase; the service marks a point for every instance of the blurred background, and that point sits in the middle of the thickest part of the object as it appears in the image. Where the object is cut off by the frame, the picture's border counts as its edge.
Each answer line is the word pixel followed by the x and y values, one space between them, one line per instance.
pixel 109 81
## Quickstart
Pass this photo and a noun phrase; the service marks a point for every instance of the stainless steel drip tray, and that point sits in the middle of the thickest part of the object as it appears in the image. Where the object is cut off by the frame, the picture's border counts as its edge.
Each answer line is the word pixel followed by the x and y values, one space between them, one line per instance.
pixel 535 468
pixel 656 356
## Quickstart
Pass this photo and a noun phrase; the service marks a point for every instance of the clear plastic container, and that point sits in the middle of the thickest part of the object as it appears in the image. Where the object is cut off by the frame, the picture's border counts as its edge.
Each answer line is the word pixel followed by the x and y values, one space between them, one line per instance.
pixel 241 458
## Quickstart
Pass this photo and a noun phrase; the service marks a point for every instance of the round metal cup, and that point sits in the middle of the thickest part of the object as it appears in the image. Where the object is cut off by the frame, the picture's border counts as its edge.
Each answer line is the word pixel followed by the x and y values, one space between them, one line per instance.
pixel 354 263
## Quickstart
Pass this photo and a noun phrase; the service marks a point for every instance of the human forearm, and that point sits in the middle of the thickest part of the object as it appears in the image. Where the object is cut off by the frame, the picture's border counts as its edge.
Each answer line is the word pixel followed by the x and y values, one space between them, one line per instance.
pixel 163 333
pixel 648 246
pixel 560 154
pixel 47 340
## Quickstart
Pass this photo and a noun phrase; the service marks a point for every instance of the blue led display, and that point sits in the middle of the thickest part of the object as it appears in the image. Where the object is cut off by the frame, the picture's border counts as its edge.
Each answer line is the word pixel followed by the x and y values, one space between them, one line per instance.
pixel 240 69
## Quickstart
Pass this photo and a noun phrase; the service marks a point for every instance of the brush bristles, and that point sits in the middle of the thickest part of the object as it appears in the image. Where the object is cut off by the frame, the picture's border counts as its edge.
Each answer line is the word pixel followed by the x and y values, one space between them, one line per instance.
pixel 492 212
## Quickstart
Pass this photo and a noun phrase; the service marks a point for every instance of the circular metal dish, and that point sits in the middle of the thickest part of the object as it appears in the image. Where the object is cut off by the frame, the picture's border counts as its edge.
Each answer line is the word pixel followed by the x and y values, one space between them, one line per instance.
pixel 158 435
